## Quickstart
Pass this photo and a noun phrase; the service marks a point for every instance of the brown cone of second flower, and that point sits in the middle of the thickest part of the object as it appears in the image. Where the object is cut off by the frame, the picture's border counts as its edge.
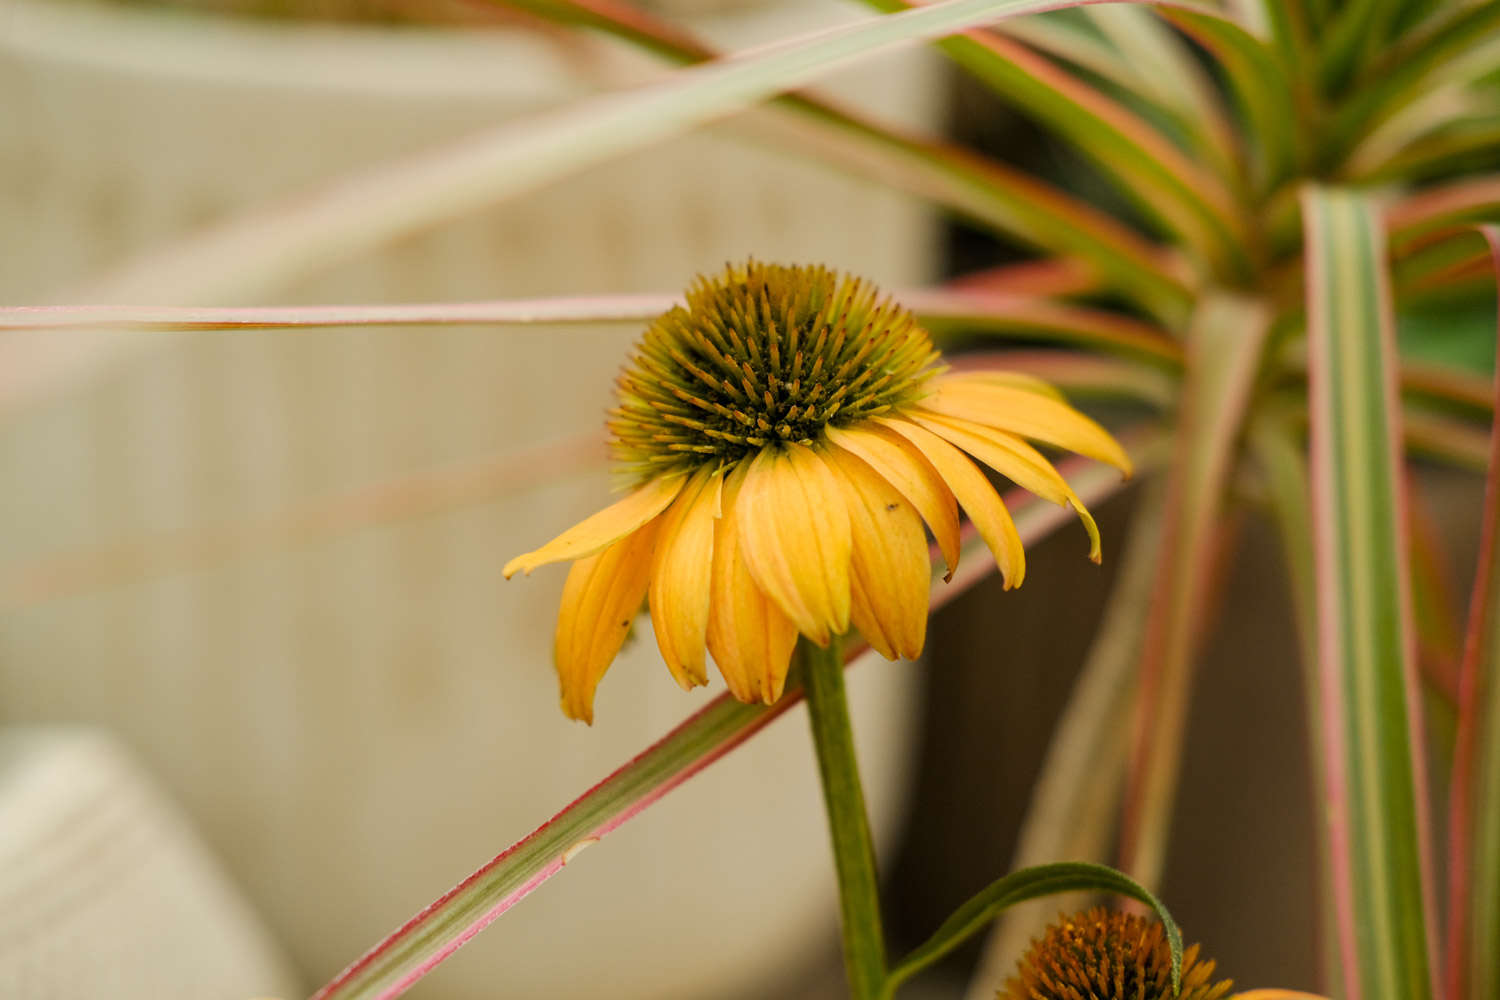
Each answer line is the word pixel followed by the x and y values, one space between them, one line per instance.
pixel 1099 955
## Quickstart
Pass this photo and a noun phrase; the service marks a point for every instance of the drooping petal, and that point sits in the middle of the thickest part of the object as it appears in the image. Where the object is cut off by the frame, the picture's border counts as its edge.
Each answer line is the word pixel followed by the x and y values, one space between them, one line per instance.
pixel 891 569
pixel 794 535
pixel 600 600
pixel 975 495
pixel 679 590
pixel 1014 459
pixel 750 638
pixel 603 528
pixel 913 476
pixel 1025 413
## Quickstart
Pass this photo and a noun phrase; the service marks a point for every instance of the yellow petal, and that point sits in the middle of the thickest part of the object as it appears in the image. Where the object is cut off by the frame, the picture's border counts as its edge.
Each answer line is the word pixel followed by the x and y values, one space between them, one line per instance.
pixel 680 578
pixel 976 495
pixel 1027 414
pixel 750 638
pixel 904 467
pixel 1015 459
pixel 607 526
pixel 1014 380
pixel 891 570
pixel 794 535
pixel 603 593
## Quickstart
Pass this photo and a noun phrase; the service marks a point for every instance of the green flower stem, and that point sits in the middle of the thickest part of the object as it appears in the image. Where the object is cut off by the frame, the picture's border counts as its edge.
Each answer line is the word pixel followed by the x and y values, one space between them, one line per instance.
pixel 853 850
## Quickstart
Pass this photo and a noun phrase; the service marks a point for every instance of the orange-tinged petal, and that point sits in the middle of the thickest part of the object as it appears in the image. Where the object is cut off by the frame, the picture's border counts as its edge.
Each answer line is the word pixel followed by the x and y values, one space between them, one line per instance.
pixel 600 599
pixel 1027 414
pixel 891 570
pixel 913 476
pixel 1013 380
pixel 794 536
pixel 607 526
pixel 976 495
pixel 1015 459
pixel 1005 453
pixel 750 638
pixel 680 578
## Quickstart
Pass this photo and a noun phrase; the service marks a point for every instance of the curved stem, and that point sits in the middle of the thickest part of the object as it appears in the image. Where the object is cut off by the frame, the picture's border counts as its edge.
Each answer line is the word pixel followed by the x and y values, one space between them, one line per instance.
pixel 848 825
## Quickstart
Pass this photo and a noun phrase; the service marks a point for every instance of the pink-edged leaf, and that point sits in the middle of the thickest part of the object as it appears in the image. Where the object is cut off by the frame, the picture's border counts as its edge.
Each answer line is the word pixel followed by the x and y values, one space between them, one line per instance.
pixel 1260 86
pixel 1473 958
pixel 1078 374
pixel 419 945
pixel 564 309
pixel 987 191
pixel 1372 752
pixel 1227 337
pixel 254 253
pixel 1454 48
pixel 1413 220
pixel 1162 181
pixel 1023 318
pixel 1442 438
pixel 1050 277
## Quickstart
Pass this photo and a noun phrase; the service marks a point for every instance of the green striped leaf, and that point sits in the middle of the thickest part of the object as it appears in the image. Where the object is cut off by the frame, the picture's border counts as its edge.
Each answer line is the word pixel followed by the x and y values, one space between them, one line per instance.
pixel 1461 48
pixel 988 193
pixel 1226 338
pixel 1145 166
pixel 1261 87
pixel 261 251
pixel 1375 780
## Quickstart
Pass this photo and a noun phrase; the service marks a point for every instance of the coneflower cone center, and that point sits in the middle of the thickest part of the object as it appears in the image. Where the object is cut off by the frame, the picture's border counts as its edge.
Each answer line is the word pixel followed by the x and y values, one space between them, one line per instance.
pixel 764 354
pixel 1101 955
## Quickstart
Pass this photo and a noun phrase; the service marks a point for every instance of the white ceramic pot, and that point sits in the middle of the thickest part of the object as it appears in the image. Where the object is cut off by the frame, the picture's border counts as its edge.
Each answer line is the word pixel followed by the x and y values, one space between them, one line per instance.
pixel 357 722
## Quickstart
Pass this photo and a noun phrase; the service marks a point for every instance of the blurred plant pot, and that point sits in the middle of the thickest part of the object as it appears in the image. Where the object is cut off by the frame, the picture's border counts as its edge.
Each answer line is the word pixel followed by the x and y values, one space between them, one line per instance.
pixel 359 719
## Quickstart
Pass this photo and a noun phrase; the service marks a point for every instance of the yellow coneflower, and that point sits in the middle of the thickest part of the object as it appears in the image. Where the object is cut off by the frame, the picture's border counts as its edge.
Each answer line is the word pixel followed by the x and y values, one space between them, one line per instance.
pixel 1099 955
pixel 785 436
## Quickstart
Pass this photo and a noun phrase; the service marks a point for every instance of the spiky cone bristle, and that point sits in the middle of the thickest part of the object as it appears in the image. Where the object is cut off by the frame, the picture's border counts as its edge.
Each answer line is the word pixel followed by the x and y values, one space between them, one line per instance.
pixel 1097 954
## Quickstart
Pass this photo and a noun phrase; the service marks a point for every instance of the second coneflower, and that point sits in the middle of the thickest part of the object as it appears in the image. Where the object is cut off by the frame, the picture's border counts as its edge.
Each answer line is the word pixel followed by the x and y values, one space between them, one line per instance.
pixel 786 436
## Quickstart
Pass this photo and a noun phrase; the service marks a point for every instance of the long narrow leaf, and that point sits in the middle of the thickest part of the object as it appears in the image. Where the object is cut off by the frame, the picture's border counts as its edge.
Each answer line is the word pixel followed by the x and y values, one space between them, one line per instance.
pixel 1473 959
pixel 1022 317
pixel 1415 219
pixel 989 193
pixel 1375 780
pixel 1145 166
pixel 1227 337
pixel 1465 47
pixel 417 947
pixel 260 251
pixel 1260 85
pixel 1176 80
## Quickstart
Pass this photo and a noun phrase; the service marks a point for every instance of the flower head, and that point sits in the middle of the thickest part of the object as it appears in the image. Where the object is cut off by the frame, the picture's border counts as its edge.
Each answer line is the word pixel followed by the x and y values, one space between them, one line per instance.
pixel 785 437
pixel 1109 956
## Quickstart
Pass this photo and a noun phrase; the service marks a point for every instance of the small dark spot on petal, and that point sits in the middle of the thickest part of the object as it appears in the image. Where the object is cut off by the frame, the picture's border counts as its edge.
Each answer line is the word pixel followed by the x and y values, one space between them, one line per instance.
pixel 892 506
